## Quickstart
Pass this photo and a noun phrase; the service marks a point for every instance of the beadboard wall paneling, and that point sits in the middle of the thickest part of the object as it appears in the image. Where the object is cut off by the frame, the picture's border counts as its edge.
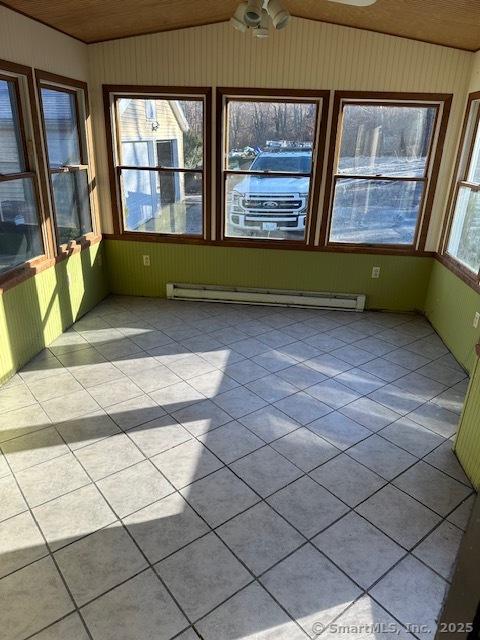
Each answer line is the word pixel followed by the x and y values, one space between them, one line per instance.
pixel 38 310
pixel 27 42
pixel 402 287
pixel 450 305
pixel 308 55
pixel 467 444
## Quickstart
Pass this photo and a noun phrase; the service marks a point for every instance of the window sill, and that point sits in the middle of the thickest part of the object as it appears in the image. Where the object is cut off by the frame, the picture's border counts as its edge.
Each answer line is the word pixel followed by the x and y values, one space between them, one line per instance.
pixel 386 250
pixel 75 246
pixel 30 269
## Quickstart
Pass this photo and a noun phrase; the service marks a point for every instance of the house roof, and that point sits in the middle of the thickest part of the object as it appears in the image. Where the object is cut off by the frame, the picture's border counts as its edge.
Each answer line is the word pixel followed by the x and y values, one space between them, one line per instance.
pixel 56 105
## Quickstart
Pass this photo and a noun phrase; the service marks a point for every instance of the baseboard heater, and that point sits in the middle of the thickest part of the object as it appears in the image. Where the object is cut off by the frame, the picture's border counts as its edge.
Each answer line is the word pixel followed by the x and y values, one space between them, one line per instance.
pixel 275 297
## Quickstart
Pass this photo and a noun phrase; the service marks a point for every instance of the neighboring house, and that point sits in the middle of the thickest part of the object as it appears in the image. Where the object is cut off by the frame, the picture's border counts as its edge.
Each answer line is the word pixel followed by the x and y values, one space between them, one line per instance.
pixel 151 134
pixel 18 237
pixel 16 198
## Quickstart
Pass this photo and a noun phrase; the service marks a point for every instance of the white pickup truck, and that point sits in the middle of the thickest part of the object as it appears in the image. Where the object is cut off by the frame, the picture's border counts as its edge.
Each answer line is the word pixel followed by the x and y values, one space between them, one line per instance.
pixel 265 204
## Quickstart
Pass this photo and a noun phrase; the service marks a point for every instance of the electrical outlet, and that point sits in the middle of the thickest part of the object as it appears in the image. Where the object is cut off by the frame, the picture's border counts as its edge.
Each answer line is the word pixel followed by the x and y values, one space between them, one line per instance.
pixel 476 319
pixel 146 261
pixel 375 272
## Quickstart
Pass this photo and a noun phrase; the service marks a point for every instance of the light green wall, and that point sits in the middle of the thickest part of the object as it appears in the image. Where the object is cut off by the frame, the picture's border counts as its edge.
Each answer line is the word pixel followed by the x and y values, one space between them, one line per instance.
pixel 402 285
pixel 450 306
pixel 35 312
pixel 467 445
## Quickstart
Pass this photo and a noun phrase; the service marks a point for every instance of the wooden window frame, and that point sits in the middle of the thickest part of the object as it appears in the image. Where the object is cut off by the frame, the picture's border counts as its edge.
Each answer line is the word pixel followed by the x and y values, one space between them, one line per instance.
pixel 322 98
pixel 27 112
pixel 78 88
pixel 111 93
pixel 341 98
pixel 469 132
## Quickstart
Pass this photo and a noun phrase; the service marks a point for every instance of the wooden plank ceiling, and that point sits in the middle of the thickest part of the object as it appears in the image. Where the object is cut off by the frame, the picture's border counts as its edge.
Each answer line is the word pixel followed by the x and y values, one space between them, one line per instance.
pixel 455 23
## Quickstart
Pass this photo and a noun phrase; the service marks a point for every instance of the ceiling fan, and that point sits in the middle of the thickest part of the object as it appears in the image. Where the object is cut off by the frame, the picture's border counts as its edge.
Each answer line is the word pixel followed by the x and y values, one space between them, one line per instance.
pixel 255 15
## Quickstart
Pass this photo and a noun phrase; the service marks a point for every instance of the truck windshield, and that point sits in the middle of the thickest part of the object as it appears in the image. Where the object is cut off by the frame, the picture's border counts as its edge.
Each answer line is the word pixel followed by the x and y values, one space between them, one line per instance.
pixel 278 162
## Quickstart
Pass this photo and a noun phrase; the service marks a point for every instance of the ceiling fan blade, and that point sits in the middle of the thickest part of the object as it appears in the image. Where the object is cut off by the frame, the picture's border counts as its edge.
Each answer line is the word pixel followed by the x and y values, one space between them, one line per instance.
pixel 356 3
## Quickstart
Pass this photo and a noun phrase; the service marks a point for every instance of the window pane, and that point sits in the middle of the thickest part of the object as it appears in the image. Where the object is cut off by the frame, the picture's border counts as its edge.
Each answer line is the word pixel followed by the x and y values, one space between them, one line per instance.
pixel 464 243
pixel 72 206
pixel 163 201
pixel 473 174
pixel 271 136
pixel 20 235
pixel 61 127
pixel 266 206
pixel 375 211
pixel 11 152
pixel 157 132
pixel 385 140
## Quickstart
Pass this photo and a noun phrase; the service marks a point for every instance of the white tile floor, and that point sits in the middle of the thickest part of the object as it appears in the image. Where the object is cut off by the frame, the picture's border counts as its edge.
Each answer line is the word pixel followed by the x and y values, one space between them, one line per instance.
pixel 171 469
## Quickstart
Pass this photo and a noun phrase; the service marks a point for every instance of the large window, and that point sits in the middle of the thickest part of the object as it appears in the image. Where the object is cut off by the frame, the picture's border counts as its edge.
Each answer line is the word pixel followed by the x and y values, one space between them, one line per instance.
pixel 160 157
pixel 268 156
pixel 464 238
pixel 20 231
pixel 65 140
pixel 382 170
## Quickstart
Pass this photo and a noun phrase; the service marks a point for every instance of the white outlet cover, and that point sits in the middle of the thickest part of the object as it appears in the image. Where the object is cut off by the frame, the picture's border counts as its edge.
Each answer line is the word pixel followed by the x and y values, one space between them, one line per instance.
pixel 476 319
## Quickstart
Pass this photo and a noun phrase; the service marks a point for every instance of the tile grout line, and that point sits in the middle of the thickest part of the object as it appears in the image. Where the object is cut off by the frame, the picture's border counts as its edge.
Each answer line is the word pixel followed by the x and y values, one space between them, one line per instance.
pixel 267 444
pixel 53 559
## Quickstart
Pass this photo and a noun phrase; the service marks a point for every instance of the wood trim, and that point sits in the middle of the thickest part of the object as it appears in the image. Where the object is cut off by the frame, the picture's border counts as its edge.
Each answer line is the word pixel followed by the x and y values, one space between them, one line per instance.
pixel 335 129
pixel 207 165
pixel 269 244
pixel 264 94
pixel 477 349
pixel 389 97
pixel 33 267
pixel 112 177
pixel 322 99
pixel 473 186
pixel 27 165
pixel 273 174
pixel 53 78
pixel 219 164
pixel 73 86
pixel 39 181
pixel 156 169
pixel 319 165
pixel 451 200
pixel 7 177
pixel 140 92
pixel 431 184
pixel 380 178
pixel 394 99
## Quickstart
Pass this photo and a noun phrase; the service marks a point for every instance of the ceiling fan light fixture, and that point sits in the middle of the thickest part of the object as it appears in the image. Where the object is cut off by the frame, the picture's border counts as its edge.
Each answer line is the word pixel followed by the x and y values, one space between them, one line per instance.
pixel 280 16
pixel 262 30
pixel 356 3
pixel 238 19
pixel 253 13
